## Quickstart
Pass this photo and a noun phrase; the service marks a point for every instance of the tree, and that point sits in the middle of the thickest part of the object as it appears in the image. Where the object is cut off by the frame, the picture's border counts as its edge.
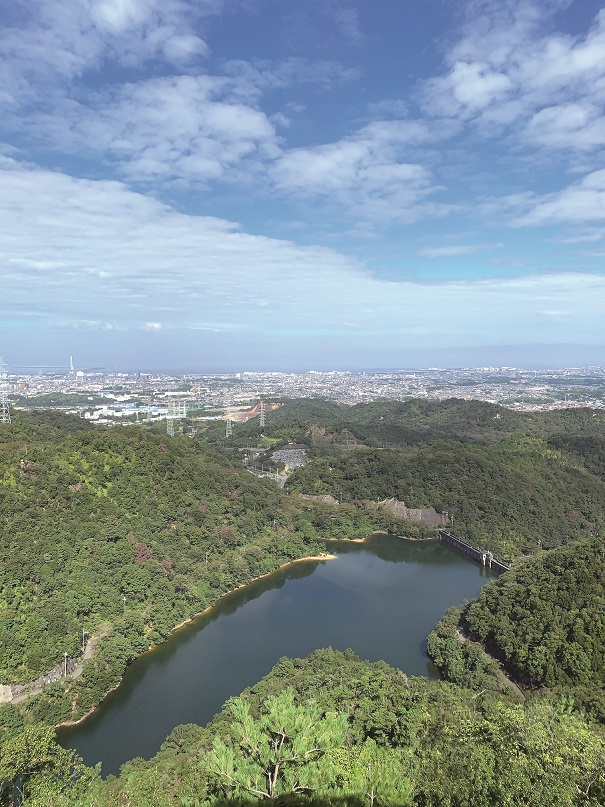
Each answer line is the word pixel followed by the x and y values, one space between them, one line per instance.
pixel 33 765
pixel 284 751
pixel 376 775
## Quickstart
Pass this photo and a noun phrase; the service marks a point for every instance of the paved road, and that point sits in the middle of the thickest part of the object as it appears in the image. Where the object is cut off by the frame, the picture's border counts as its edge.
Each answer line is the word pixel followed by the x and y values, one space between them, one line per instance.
pixel 89 651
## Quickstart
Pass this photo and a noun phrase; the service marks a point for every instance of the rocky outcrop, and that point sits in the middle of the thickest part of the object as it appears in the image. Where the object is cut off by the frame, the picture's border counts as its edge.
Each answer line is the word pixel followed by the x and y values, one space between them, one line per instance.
pixel 427 516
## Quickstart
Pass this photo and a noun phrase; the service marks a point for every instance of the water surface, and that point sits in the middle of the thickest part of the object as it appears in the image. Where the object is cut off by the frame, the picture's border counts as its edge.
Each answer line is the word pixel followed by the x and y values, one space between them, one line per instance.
pixel 380 598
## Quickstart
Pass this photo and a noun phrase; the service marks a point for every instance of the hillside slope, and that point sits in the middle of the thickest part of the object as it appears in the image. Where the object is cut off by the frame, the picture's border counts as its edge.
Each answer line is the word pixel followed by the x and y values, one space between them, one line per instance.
pixel 379 738
pixel 511 498
pixel 126 534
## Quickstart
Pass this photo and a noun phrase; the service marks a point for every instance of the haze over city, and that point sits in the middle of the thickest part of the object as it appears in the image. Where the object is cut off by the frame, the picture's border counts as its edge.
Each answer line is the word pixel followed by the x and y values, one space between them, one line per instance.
pixel 229 185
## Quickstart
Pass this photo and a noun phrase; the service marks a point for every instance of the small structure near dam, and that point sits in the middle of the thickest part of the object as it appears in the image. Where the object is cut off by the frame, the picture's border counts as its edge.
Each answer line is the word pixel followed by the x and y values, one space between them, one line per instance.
pixel 483 556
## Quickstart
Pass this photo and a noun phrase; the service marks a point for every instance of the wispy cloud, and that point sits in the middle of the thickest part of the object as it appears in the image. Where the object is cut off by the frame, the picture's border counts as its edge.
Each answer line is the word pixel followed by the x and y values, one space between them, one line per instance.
pixel 324 22
pixel 452 251
pixel 260 75
pixel 107 258
pixel 582 201
pixel 346 19
pixel 367 173
pixel 456 250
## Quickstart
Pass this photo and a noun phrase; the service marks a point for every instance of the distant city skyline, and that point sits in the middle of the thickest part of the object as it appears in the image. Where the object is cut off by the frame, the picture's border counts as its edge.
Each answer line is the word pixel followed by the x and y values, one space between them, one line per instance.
pixel 233 185
pixel 200 369
pixel 106 396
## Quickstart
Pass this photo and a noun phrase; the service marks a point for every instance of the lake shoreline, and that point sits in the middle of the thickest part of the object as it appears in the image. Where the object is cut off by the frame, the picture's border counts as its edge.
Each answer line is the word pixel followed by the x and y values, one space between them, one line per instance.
pixel 209 608
pixel 184 623
pixel 368 537
pixel 308 559
pixel 382 599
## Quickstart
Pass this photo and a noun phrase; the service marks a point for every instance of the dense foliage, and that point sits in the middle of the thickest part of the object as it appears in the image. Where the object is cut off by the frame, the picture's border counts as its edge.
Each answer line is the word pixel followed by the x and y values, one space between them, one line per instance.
pixel 511 498
pixel 464 661
pixel 545 623
pixel 546 617
pixel 364 734
pixel 124 534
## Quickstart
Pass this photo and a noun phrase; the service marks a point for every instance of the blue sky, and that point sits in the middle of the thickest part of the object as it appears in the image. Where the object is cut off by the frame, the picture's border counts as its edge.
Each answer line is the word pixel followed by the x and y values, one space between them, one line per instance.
pixel 281 184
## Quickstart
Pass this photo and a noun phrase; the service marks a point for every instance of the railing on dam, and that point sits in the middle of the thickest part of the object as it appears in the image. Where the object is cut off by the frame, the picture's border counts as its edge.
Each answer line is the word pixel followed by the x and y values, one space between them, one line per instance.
pixel 483 556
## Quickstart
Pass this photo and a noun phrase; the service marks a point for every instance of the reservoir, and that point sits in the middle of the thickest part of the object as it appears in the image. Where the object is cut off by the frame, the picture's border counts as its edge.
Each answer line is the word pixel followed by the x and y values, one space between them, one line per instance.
pixel 380 598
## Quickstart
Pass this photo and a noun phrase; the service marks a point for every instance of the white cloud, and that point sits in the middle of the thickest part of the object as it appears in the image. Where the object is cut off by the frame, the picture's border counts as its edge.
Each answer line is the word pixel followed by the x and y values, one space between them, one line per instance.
pixel 187 128
pixel 96 255
pixel 509 72
pixel 54 42
pixel 367 173
pixel 582 201
pixel 510 69
pixel 470 88
pixel 118 16
pixel 448 252
pixel 559 62
pixel 572 125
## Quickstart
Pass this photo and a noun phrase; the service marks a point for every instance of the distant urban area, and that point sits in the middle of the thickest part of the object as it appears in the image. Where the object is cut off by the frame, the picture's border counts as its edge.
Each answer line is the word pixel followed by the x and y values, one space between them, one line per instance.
pixel 106 397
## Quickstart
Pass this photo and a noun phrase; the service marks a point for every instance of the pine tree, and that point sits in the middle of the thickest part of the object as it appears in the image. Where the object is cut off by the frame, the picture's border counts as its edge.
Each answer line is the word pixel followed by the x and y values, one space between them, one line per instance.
pixel 284 751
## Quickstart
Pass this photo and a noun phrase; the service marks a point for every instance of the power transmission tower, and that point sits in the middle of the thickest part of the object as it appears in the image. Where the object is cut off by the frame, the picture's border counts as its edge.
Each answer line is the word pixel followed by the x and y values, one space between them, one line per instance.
pixel 348 439
pixel 5 412
pixel 262 411
pixel 176 411
pixel 229 423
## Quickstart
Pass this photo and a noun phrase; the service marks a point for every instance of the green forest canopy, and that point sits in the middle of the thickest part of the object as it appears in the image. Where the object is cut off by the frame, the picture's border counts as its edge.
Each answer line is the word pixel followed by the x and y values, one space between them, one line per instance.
pixel 170 524
pixel 371 736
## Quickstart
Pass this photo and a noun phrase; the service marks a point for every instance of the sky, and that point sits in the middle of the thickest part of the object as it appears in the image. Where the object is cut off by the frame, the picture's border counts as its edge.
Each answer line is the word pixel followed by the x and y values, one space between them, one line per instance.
pixel 228 185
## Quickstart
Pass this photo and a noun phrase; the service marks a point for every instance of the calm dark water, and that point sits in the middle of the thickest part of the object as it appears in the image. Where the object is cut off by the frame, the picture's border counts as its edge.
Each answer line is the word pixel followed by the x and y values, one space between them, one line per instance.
pixel 381 599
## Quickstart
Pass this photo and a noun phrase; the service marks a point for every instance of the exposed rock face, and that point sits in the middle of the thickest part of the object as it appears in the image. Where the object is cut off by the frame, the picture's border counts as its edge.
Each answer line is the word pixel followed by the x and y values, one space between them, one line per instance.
pixel 427 516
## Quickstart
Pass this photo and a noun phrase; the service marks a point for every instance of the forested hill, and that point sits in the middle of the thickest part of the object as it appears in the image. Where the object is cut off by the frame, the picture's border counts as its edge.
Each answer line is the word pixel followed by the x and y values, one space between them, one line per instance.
pixel 321 424
pixel 334 731
pixel 544 621
pixel 512 481
pixel 546 618
pixel 125 533
pixel 513 498
pixel 387 422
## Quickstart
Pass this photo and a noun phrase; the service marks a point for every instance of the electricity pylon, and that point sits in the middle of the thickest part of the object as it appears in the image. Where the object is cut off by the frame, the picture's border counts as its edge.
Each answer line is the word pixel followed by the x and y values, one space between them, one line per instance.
pixel 5 412
pixel 176 411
